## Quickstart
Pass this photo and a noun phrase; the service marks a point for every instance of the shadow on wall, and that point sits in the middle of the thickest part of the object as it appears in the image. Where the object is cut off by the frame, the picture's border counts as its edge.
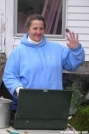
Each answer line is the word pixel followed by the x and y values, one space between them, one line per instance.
pixel 82 80
pixel 4 92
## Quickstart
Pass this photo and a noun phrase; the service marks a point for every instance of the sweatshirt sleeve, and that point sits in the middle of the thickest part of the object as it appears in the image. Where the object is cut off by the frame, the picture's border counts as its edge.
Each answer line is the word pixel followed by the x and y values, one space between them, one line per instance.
pixel 73 58
pixel 11 76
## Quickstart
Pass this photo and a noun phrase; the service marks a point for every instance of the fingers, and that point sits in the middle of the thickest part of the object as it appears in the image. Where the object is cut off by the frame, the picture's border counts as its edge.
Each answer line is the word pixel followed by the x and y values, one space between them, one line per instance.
pixel 75 36
pixel 72 40
pixel 67 35
pixel 71 36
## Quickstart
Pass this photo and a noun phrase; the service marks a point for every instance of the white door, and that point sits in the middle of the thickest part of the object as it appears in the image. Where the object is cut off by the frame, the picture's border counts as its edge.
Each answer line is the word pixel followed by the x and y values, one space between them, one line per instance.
pixel 2 25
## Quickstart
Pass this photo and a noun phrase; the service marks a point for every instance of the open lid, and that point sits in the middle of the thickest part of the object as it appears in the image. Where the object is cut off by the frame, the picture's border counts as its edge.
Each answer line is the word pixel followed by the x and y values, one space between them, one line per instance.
pixel 37 104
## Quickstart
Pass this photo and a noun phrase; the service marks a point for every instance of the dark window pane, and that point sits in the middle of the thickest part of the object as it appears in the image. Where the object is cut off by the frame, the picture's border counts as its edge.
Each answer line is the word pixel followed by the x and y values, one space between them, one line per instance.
pixel 50 9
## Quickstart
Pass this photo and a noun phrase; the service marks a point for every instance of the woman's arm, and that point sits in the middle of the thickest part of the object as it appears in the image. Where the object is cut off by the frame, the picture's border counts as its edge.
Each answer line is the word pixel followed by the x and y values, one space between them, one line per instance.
pixel 74 55
pixel 11 76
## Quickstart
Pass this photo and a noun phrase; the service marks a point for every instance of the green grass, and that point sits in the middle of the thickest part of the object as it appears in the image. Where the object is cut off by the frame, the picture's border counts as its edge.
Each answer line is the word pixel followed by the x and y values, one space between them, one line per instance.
pixel 80 121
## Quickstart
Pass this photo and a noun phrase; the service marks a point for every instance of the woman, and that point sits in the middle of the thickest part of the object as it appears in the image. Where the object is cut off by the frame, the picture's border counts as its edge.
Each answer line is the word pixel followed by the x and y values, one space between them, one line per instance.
pixel 37 63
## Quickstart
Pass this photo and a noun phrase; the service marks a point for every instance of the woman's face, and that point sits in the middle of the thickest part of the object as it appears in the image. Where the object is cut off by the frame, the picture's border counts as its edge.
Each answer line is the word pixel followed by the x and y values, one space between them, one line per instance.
pixel 36 30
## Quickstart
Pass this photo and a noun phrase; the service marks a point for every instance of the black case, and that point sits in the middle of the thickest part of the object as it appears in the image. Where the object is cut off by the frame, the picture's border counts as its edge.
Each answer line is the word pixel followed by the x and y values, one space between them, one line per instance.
pixel 42 109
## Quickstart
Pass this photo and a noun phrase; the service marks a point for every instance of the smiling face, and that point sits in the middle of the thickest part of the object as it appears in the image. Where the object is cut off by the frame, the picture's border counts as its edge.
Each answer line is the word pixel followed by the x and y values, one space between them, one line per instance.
pixel 36 30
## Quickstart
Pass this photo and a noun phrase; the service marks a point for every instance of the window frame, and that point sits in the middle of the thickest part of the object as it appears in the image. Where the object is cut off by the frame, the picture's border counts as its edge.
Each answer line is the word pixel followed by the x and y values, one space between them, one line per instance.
pixel 49 36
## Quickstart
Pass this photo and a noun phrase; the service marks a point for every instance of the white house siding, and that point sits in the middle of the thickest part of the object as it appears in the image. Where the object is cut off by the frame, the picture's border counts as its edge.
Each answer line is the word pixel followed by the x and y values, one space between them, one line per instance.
pixel 2 25
pixel 77 20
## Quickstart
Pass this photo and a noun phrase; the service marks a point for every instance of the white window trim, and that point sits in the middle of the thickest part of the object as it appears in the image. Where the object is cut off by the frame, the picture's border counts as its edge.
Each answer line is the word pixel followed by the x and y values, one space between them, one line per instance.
pixel 49 36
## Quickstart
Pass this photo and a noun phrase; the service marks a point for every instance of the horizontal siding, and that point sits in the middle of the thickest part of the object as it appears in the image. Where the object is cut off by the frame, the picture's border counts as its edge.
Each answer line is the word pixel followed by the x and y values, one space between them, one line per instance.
pixel 87 57
pixel 79 30
pixel 78 16
pixel 78 21
pixel 78 2
pixel 83 37
pixel 86 50
pixel 85 44
pixel 79 9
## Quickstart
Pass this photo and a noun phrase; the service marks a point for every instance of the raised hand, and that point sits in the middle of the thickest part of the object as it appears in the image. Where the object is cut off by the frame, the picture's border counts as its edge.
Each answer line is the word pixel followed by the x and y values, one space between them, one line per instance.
pixel 72 38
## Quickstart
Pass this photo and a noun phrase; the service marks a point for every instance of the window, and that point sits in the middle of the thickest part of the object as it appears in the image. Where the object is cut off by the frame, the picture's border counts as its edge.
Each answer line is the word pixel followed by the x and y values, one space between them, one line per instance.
pixel 53 11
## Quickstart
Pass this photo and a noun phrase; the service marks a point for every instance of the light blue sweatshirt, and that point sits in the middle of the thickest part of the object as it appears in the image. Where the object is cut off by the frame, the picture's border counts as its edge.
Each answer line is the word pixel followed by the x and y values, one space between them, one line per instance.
pixel 40 66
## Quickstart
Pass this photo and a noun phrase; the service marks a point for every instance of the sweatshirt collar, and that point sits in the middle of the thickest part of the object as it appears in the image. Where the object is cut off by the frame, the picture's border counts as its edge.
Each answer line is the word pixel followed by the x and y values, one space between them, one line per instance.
pixel 25 41
pixel 34 42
